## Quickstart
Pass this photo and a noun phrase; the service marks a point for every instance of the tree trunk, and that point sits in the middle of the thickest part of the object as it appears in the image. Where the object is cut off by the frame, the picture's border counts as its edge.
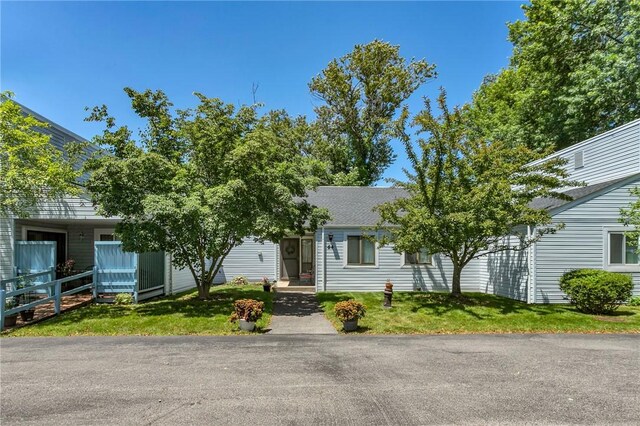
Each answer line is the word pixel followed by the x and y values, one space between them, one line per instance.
pixel 455 285
pixel 203 290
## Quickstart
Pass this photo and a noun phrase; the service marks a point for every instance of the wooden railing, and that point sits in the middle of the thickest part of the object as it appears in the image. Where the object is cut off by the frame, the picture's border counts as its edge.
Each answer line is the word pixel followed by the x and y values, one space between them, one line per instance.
pixel 53 289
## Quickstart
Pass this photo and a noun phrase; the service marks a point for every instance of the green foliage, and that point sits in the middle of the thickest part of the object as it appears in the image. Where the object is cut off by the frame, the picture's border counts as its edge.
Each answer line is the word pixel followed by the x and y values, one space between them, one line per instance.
pixel 634 301
pixel 467 195
pixel 123 299
pixel 31 169
pixel 10 303
pixel 247 309
pixel 574 73
pixel 199 181
pixel 362 92
pixel 240 280
pixel 630 216
pixel 349 310
pixel 595 291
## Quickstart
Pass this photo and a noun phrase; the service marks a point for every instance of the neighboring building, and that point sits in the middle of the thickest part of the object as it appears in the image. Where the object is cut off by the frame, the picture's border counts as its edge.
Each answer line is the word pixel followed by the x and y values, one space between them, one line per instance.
pixel 337 258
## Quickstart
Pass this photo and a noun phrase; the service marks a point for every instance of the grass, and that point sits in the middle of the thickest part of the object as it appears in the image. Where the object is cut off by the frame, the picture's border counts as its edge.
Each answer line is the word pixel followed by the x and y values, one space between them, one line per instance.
pixel 175 315
pixel 439 313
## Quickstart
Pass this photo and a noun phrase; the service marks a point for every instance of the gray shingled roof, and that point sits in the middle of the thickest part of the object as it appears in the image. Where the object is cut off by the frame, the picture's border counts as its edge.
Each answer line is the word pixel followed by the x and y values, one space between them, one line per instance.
pixel 353 205
pixel 575 194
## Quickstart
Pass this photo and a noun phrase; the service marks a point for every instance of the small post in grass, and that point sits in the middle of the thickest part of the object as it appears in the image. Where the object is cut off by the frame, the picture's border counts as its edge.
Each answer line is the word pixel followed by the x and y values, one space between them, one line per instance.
pixel 388 294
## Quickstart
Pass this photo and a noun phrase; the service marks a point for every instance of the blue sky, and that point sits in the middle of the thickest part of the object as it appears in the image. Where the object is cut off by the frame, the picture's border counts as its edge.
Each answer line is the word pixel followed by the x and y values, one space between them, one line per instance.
pixel 58 57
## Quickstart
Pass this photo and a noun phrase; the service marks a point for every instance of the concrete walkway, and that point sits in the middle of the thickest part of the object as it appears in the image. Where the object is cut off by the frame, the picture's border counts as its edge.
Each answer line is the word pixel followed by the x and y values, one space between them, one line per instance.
pixel 298 313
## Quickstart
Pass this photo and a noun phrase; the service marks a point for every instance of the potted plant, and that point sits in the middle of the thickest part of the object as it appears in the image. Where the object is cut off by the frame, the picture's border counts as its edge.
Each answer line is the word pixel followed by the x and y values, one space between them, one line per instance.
pixel 247 312
pixel 266 284
pixel 26 298
pixel 240 280
pixel 349 312
pixel 10 320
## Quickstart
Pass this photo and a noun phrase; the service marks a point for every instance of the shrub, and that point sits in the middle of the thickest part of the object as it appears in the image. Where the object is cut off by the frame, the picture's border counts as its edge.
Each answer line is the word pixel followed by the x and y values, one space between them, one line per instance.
pixel 349 310
pixel 247 309
pixel 634 301
pixel 10 303
pixel 123 299
pixel 240 280
pixel 594 291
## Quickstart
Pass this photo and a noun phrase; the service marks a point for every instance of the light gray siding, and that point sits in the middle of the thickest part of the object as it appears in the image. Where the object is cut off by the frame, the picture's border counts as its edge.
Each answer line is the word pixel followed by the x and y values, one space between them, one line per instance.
pixel 67 208
pixel 581 243
pixel 507 274
pixel 342 277
pixel 6 248
pixel 182 280
pixel 252 259
pixel 607 156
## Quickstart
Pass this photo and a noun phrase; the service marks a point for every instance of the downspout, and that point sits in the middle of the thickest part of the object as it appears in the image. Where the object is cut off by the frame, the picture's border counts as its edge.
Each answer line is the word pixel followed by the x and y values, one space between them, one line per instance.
pixel 324 263
pixel 170 290
pixel 531 277
pixel 534 262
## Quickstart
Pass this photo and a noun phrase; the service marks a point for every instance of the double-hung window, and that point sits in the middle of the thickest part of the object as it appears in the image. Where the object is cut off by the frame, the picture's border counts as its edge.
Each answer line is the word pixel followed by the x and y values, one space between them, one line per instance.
pixel 420 258
pixel 360 251
pixel 623 250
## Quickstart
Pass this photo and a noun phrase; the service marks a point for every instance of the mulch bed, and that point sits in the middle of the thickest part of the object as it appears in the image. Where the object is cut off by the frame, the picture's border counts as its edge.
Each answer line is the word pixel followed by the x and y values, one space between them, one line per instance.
pixel 47 310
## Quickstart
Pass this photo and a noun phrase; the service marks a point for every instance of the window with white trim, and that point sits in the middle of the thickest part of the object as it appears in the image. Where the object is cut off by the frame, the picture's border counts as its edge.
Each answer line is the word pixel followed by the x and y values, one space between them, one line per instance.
pixel 360 251
pixel 420 258
pixel 622 249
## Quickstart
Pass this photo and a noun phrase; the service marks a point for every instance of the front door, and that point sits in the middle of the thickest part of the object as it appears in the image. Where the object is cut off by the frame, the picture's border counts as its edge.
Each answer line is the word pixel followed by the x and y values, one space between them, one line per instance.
pixel 290 255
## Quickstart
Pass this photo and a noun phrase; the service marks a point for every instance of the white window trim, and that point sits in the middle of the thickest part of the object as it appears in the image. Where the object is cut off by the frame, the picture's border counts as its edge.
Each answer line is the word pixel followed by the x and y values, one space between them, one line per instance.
pixel 345 251
pixel 99 231
pixel 404 264
pixel 606 241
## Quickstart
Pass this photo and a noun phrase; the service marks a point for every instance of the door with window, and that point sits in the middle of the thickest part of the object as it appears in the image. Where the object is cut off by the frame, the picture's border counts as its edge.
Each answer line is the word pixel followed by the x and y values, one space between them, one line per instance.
pixel 290 255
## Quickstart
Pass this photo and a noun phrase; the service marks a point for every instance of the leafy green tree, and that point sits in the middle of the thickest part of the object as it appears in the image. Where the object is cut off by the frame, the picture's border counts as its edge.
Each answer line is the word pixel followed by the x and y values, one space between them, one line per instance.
pixel 199 181
pixel 363 93
pixel 31 168
pixel 467 197
pixel 630 216
pixel 574 73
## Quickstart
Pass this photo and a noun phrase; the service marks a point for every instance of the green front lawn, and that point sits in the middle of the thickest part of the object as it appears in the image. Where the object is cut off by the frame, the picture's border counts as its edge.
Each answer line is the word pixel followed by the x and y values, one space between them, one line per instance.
pixel 439 313
pixel 175 315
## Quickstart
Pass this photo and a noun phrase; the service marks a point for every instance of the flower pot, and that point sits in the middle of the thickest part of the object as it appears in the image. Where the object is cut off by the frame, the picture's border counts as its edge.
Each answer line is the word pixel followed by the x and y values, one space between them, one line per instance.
pixel 27 315
pixel 351 325
pixel 10 320
pixel 266 287
pixel 247 325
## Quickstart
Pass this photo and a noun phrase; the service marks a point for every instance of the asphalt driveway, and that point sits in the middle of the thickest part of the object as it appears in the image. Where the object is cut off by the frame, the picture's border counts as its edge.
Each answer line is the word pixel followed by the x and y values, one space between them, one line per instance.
pixel 334 380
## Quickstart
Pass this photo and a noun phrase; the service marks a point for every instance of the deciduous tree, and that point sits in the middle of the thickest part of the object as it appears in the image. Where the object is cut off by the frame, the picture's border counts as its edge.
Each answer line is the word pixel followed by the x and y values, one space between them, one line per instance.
pixel 197 182
pixel 31 168
pixel 574 73
pixel 363 95
pixel 466 194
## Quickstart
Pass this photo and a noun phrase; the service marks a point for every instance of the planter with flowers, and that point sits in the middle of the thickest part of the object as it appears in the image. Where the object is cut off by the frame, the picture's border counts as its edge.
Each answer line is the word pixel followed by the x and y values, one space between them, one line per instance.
pixel 247 312
pixel 349 312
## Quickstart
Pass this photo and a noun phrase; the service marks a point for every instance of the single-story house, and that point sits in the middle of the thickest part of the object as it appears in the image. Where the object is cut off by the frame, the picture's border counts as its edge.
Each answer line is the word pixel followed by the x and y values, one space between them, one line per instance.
pixel 336 257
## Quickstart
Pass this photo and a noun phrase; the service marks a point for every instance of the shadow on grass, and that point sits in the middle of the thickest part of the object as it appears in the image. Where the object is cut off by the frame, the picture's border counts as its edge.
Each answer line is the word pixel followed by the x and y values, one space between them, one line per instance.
pixel 473 304
pixel 184 304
